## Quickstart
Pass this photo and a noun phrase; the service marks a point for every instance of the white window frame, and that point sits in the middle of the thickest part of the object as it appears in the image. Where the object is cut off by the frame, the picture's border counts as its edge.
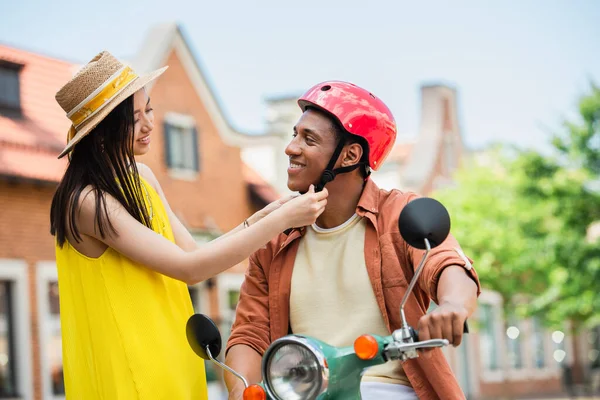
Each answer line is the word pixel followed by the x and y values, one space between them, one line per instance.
pixel 523 350
pixel 46 273
pixel 185 122
pixel 16 271
pixel 225 283
pixel 201 298
pixel 457 362
pixel 529 371
pixel 202 237
pixel 471 361
pixel 495 300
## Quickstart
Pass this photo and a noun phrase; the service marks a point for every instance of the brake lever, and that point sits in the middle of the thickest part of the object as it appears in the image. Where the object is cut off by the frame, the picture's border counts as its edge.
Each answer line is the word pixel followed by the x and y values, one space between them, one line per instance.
pixel 405 351
pixel 415 333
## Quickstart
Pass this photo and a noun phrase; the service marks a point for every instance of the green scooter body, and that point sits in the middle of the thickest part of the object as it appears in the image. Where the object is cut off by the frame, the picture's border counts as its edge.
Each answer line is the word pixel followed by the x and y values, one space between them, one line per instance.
pixel 344 368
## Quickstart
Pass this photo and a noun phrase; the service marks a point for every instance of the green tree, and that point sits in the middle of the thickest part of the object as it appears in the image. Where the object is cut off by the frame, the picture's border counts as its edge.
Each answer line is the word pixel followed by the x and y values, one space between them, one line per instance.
pixel 523 217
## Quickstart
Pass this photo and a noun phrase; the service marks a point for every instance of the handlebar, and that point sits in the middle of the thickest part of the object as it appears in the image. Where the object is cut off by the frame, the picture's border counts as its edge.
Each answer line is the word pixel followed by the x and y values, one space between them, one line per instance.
pixel 406 343
pixel 405 351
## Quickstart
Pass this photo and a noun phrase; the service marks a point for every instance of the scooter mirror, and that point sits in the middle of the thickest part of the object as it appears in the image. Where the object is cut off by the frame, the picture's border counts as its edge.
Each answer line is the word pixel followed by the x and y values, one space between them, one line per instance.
pixel 424 218
pixel 201 331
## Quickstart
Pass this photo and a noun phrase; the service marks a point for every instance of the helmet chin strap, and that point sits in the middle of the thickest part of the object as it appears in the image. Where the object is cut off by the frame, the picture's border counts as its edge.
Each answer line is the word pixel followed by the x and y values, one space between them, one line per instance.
pixel 329 174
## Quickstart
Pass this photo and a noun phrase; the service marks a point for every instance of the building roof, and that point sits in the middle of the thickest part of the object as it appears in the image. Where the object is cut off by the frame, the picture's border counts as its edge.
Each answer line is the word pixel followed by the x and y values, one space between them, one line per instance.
pixel 259 186
pixel 164 38
pixel 30 143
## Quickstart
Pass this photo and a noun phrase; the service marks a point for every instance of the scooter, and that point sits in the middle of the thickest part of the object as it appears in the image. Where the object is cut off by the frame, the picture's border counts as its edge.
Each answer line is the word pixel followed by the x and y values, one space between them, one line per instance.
pixel 297 367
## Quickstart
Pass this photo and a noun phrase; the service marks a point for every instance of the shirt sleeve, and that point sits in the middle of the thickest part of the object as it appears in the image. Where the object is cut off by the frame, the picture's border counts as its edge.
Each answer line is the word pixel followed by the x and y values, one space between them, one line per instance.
pixel 251 326
pixel 446 254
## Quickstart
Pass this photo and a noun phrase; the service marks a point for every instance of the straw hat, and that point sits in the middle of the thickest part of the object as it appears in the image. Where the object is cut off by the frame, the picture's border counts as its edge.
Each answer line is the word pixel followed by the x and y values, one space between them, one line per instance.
pixel 95 91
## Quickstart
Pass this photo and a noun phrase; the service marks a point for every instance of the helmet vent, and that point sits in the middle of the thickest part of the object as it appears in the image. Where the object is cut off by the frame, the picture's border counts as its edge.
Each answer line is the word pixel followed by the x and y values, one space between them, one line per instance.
pixel 372 95
pixel 325 88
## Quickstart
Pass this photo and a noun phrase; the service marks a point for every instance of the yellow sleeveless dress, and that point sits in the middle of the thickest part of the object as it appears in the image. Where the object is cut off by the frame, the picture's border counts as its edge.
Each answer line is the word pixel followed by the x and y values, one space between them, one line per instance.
pixel 123 325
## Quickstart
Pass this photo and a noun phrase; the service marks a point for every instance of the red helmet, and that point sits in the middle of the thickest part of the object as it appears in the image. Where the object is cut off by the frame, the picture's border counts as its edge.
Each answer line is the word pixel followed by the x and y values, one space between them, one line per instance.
pixel 359 112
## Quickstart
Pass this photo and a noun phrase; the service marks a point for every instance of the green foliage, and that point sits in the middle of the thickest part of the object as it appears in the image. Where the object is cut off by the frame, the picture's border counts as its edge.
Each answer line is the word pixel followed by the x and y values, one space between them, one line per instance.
pixel 523 217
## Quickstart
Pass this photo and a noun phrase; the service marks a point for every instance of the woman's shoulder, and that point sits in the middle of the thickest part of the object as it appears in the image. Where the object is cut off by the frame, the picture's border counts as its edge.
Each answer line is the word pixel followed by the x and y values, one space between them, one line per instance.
pixel 146 173
pixel 87 198
pixel 86 207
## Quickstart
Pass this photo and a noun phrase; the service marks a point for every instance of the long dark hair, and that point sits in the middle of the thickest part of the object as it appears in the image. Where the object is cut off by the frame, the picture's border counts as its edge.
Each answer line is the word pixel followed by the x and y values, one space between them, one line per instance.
pixel 104 161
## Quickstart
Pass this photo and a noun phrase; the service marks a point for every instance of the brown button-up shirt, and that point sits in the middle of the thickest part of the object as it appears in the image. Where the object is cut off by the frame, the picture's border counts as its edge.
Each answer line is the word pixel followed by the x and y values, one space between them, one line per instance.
pixel 263 313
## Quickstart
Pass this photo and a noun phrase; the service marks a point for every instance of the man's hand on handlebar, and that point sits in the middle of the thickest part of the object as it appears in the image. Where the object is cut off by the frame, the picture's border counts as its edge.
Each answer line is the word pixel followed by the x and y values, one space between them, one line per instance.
pixel 445 322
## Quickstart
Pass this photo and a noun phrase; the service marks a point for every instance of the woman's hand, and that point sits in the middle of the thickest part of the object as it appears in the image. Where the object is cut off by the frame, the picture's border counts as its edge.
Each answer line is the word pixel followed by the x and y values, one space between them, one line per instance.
pixel 305 209
pixel 268 209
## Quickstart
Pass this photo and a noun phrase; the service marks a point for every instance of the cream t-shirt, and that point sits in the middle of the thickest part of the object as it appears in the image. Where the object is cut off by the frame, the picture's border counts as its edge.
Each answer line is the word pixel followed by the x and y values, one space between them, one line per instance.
pixel 331 294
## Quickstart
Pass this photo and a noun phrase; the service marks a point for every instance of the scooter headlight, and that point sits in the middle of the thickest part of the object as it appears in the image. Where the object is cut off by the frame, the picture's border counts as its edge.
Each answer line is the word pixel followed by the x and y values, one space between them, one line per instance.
pixel 294 369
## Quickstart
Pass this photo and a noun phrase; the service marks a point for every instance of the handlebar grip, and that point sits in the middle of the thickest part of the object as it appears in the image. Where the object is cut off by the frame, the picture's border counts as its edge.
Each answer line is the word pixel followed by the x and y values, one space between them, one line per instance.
pixel 415 333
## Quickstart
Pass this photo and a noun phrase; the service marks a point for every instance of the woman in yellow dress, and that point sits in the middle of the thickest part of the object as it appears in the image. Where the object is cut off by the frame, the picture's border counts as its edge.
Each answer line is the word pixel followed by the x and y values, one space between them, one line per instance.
pixel 124 259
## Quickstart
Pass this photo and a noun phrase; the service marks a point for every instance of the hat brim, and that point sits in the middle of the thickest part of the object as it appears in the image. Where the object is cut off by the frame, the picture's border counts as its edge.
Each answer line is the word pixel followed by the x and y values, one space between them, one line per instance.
pixel 87 126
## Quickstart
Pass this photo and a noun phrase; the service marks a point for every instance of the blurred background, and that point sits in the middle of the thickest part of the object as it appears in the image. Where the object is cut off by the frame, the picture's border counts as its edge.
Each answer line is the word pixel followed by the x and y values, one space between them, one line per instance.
pixel 498 112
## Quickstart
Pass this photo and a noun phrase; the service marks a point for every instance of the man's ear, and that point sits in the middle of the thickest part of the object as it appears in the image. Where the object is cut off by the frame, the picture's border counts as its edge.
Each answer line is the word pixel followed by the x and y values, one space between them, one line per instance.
pixel 352 154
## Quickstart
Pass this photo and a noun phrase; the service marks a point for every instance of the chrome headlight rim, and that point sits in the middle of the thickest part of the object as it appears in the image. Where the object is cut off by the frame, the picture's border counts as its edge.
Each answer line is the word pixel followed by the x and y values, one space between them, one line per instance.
pixel 297 340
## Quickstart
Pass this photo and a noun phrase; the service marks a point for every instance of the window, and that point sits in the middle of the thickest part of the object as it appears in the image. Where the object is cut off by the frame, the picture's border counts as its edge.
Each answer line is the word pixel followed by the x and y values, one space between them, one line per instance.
pixel 50 332
pixel 464 374
pixel 199 296
pixel 228 317
pixel 195 297
pixel 233 297
pixel 537 343
pixel 181 143
pixel 515 352
pixel 10 92
pixel 54 350
pixel 15 334
pixel 7 350
pixel 488 337
pixel 594 353
pixel 229 291
pixel 594 349
pixel 198 301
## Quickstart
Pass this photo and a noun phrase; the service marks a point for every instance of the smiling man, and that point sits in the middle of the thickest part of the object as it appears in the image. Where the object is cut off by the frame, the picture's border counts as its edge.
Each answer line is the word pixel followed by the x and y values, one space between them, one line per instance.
pixel 346 274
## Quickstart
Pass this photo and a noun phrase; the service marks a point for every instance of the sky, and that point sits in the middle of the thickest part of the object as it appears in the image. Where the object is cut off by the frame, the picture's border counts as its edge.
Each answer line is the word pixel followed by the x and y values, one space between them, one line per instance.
pixel 518 66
